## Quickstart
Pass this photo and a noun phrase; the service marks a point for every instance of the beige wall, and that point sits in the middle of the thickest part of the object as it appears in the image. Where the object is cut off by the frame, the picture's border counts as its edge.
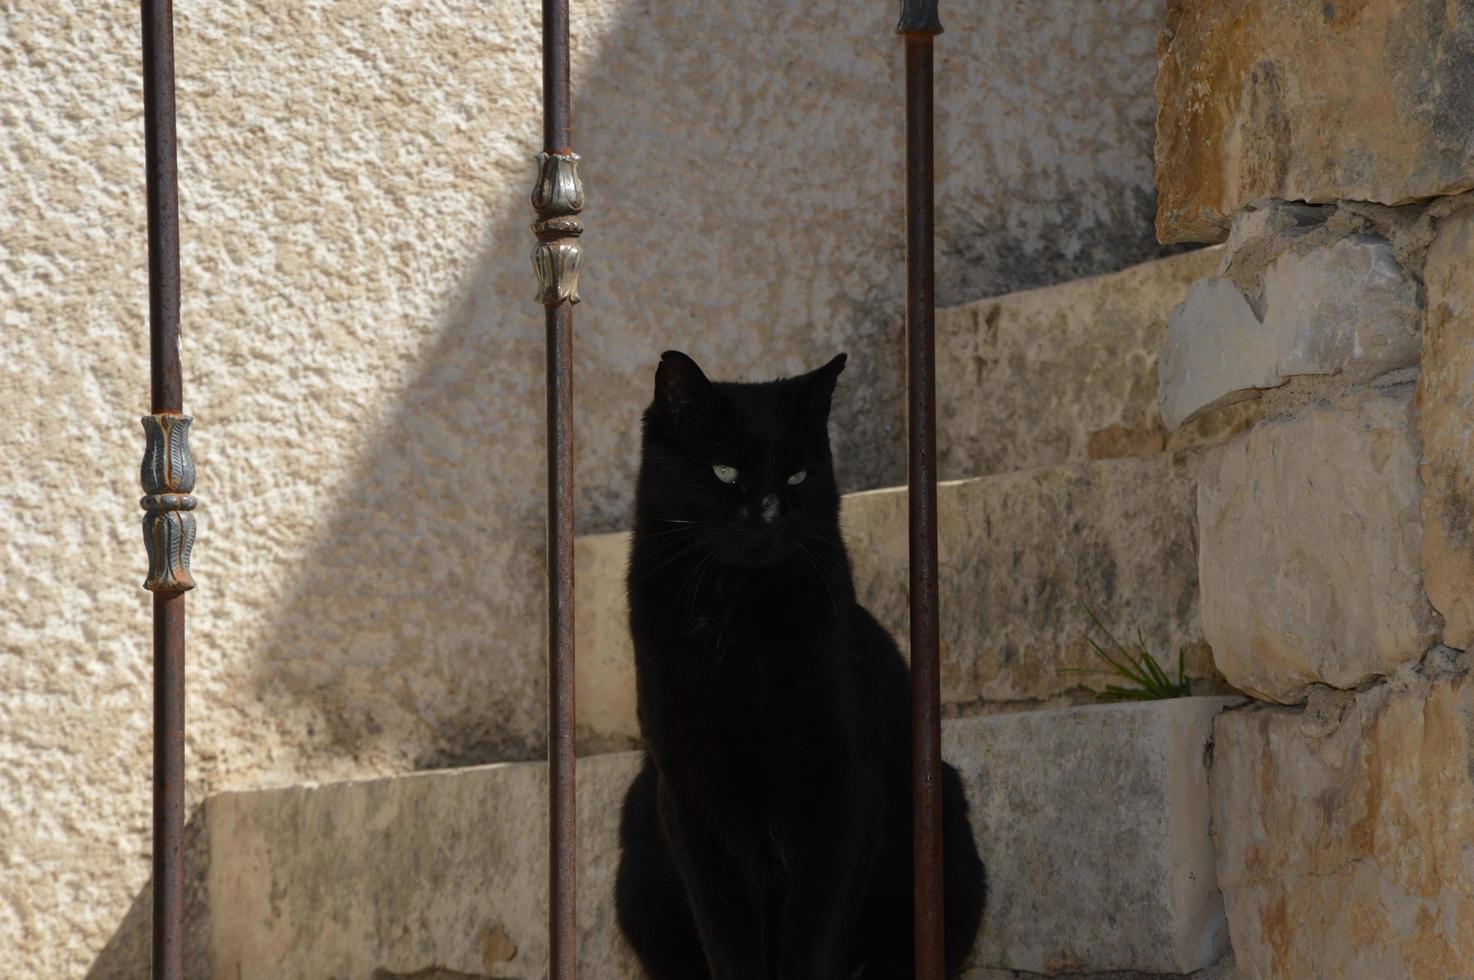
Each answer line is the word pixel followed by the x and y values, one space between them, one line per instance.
pixel 363 357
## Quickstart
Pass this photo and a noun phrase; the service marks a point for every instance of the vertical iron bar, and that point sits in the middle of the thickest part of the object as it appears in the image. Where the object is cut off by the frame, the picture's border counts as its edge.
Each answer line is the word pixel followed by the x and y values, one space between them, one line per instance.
pixel 556 89
pixel 563 944
pixel 166 398
pixel 557 259
pixel 168 924
pixel 919 24
pixel 163 206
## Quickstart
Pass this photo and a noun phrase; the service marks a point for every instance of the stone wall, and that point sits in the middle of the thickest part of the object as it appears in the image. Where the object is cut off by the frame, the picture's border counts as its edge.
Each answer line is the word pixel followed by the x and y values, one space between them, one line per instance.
pixel 1335 556
pixel 1309 100
pixel 1345 835
pixel 364 359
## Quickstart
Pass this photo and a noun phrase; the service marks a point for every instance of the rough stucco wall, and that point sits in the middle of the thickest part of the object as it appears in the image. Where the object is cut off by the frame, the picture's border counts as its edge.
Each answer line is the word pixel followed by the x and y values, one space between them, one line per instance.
pixel 364 360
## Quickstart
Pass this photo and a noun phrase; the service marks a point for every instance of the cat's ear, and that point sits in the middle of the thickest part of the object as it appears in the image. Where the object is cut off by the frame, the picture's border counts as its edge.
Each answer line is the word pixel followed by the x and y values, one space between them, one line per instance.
pixel 681 390
pixel 816 389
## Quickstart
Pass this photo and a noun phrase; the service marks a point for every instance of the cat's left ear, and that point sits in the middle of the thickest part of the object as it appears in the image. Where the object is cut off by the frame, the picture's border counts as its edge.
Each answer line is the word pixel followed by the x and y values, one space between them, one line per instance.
pixel 816 389
pixel 681 389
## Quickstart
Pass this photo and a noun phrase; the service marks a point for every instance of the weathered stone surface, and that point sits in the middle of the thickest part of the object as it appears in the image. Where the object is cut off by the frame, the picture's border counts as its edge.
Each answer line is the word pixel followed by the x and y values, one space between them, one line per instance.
pixel 1367 101
pixel 1346 309
pixel 364 359
pixel 1351 854
pixel 1342 310
pixel 1093 826
pixel 1310 535
pixel 1215 353
pixel 1446 422
pixel 1061 374
pixel 1223 970
pixel 1022 555
pixel 442 870
pixel 1093 822
pixel 1262 231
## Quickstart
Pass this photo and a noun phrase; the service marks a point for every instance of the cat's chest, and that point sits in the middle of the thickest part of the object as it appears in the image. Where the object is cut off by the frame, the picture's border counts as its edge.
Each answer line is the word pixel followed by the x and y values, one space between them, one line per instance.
pixel 764 640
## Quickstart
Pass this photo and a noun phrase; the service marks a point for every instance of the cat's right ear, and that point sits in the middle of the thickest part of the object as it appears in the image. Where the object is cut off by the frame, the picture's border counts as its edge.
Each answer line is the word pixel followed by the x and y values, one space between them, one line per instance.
pixel 681 389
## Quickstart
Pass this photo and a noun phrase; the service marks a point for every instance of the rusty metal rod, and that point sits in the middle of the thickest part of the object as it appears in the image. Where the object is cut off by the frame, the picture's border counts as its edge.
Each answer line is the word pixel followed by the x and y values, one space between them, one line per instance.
pixel 163 206
pixel 557 259
pixel 919 25
pixel 557 98
pixel 168 952
pixel 166 398
pixel 561 782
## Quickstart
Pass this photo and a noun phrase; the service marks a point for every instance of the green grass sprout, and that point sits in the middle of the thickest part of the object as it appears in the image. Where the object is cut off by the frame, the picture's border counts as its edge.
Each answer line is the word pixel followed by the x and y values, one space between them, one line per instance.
pixel 1141 677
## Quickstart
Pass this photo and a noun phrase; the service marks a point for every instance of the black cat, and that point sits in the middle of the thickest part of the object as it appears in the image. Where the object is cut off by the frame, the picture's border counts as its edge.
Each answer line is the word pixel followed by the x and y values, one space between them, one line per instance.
pixel 768 835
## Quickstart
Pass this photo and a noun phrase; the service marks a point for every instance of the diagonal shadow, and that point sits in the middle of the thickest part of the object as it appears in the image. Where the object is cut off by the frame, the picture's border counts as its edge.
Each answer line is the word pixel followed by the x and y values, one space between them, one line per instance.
pixel 128 952
pixel 743 166
pixel 745 204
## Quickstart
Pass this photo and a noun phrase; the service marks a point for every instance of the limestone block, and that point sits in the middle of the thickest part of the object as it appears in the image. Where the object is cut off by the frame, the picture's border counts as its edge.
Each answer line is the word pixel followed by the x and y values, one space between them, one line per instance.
pixel 1308 102
pixel 1310 534
pixel 1022 554
pixel 1223 970
pixel 440 869
pixel 1093 821
pixel 1215 353
pixel 1347 309
pixel 1093 825
pixel 1061 374
pixel 1446 422
pixel 1350 854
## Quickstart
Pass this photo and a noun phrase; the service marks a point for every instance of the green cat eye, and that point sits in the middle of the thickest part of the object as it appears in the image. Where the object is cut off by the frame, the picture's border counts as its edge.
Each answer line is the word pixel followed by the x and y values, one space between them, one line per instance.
pixel 727 474
pixel 797 478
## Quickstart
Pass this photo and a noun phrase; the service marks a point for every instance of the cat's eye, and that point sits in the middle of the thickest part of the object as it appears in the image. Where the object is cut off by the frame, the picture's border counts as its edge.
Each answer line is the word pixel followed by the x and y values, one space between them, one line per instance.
pixel 797 478
pixel 727 474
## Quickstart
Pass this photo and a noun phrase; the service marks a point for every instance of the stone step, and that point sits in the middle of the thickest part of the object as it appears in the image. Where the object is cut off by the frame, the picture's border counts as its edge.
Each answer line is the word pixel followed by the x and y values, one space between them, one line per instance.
pixel 1093 822
pixel 1065 373
pixel 1022 556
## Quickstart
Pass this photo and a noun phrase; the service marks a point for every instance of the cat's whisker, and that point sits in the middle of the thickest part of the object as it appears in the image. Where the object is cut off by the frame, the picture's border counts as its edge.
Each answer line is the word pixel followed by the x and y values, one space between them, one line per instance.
pixel 698 571
pixel 690 546
pixel 810 560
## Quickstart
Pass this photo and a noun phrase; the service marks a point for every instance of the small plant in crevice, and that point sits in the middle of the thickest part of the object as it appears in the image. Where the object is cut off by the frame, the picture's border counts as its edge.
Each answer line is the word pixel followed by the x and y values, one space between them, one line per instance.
pixel 1140 677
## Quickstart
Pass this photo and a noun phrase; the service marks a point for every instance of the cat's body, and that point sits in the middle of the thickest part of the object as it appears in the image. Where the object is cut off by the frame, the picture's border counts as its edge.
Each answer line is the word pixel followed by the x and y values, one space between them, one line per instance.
pixel 768 836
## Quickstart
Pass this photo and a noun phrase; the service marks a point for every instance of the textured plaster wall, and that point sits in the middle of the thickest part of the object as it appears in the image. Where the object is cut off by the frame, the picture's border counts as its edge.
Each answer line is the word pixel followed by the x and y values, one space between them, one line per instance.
pixel 364 360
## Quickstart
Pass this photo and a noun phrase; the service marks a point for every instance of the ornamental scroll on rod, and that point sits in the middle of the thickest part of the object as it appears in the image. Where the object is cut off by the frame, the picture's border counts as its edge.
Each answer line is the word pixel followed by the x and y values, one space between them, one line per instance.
pixel 168 475
pixel 558 257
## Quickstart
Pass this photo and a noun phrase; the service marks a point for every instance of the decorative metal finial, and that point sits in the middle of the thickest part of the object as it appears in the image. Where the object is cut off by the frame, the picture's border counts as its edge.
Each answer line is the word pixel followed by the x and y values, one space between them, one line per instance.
pixel 558 257
pixel 919 17
pixel 168 525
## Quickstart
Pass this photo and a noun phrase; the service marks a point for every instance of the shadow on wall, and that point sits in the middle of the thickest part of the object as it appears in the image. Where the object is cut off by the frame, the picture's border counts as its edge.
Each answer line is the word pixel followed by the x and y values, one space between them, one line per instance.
pixel 745 205
pixel 128 954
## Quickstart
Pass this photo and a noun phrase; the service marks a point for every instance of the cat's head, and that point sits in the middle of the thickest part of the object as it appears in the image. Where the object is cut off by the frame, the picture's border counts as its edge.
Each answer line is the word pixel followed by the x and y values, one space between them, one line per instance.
pixel 741 471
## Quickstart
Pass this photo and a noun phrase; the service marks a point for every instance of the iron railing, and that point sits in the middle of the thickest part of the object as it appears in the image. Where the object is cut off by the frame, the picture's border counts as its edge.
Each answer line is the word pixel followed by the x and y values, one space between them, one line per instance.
pixel 168 477
pixel 557 259
pixel 919 24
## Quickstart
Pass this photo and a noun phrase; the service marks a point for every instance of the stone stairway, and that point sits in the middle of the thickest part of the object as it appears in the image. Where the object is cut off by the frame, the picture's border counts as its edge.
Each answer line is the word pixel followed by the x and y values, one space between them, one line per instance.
pixel 1093 822
pixel 1022 556
pixel 1093 819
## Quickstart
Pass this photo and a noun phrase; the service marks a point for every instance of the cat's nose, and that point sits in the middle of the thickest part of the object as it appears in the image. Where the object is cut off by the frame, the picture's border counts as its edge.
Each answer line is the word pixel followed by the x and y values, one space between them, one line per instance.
pixel 770 508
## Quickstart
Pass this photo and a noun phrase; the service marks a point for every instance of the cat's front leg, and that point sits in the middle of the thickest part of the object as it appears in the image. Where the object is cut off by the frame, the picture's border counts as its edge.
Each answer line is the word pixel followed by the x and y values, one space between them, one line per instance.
pixel 830 865
pixel 727 916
